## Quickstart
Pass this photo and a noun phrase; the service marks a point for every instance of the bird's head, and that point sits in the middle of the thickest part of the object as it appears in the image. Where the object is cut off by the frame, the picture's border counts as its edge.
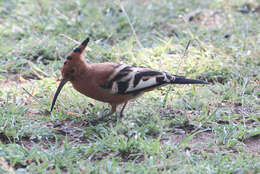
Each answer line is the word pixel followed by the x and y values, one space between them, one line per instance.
pixel 72 68
pixel 73 64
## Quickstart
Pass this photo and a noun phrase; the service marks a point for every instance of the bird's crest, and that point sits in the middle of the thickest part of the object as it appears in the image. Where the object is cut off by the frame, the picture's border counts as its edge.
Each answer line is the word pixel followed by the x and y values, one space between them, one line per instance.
pixel 81 47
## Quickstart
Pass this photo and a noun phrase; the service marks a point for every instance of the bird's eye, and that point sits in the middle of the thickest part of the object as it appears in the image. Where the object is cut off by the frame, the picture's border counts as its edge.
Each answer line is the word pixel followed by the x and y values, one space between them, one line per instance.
pixel 65 62
pixel 72 71
pixel 69 57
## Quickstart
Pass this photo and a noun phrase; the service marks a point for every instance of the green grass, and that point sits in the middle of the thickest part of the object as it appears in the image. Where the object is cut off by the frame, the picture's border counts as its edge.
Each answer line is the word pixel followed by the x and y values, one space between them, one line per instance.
pixel 185 129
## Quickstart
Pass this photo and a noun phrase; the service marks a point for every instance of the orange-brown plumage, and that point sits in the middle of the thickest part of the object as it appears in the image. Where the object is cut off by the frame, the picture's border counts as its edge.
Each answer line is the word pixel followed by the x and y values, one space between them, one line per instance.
pixel 90 81
pixel 113 83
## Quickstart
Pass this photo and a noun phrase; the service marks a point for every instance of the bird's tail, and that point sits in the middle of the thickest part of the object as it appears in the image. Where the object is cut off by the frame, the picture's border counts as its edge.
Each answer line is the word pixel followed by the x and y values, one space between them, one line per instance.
pixel 184 80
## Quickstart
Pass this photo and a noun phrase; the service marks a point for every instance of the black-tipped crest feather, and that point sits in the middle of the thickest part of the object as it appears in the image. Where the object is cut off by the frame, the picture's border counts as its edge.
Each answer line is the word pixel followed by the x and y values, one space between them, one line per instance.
pixel 85 42
pixel 82 46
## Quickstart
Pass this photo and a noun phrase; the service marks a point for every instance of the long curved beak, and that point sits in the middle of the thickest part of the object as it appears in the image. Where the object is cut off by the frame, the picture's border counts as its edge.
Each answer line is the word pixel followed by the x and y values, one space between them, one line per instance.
pixel 62 83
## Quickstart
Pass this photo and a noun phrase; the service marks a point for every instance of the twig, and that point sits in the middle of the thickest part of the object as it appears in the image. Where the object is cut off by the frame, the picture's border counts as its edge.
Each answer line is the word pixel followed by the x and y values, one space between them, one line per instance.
pixel 36 99
pixel 184 54
pixel 170 88
pixel 45 112
pixel 186 48
pixel 69 38
pixel 132 27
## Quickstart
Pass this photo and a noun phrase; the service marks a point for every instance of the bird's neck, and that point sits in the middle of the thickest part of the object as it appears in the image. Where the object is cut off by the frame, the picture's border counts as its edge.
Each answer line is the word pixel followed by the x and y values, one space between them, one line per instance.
pixel 84 71
pixel 81 82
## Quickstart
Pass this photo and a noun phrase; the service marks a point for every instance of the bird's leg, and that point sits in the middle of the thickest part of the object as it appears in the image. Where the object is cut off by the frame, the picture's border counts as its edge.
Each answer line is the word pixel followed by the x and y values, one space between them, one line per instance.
pixel 113 110
pixel 121 112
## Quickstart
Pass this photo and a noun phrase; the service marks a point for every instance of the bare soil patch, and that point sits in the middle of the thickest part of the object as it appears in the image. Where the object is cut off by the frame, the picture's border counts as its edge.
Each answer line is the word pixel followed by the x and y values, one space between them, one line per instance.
pixel 203 140
pixel 252 145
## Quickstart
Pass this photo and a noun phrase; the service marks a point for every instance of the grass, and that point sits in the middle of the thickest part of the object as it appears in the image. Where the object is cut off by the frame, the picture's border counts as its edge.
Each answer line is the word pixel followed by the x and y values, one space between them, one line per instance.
pixel 185 129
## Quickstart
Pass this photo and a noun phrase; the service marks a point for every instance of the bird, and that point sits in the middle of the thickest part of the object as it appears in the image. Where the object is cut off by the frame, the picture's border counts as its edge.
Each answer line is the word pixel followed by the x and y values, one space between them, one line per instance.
pixel 112 83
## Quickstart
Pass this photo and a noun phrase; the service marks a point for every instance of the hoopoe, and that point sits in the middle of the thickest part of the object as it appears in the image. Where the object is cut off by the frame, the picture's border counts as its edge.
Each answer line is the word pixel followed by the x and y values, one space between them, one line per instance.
pixel 111 82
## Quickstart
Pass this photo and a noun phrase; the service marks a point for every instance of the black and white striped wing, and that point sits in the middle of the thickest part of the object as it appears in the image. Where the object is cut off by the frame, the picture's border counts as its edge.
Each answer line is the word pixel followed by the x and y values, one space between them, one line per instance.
pixel 126 79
